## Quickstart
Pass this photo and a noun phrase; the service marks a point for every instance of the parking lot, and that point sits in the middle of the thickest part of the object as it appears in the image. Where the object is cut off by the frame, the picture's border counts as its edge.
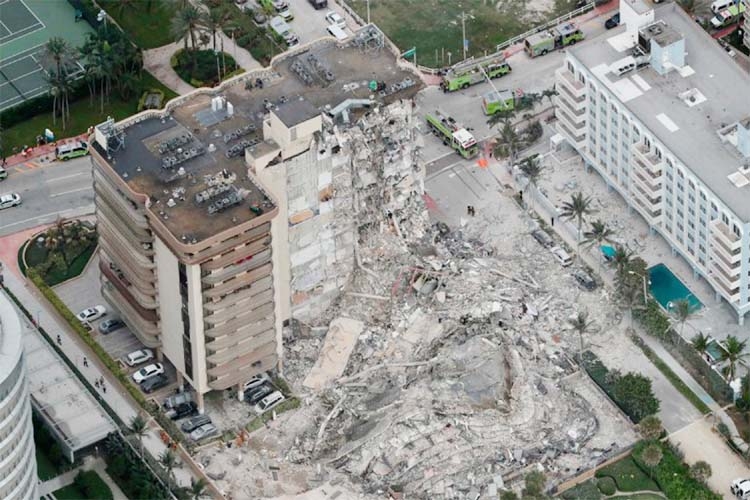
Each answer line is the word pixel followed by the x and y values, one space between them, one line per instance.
pixel 309 24
pixel 83 292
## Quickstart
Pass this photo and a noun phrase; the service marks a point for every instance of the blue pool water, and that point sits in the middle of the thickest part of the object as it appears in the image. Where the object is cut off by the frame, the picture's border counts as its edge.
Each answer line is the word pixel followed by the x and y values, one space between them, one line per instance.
pixel 666 288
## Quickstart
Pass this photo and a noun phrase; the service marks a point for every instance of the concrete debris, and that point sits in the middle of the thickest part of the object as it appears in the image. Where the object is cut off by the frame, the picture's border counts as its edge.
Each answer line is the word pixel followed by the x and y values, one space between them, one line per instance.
pixel 431 363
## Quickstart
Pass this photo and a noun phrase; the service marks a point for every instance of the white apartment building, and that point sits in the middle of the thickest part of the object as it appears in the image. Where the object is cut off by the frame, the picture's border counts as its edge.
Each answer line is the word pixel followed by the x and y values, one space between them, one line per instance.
pixel 18 477
pixel 662 113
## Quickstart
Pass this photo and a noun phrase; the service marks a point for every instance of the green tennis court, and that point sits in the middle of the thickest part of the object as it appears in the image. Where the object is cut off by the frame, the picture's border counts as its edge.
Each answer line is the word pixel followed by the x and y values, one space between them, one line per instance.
pixel 25 26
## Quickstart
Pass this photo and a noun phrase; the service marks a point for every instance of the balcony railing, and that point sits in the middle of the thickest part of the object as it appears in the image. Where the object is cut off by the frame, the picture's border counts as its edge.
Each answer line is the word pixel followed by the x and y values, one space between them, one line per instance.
pixel 726 290
pixel 576 87
pixel 577 139
pixel 728 237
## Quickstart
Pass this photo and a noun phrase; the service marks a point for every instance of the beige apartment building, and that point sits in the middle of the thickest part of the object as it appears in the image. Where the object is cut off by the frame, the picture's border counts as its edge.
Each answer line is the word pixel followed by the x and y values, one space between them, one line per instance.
pixel 194 248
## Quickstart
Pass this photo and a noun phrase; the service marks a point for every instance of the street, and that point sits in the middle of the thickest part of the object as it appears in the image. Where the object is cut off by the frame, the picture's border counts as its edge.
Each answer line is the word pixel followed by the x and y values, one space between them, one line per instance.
pixel 48 191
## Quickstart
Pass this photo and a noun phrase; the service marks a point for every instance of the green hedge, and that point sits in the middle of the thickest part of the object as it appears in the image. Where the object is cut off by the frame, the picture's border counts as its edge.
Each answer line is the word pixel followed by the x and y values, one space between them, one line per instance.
pixel 92 485
pixel 258 421
pixel 628 476
pixel 631 392
pixel 104 356
pixel 606 485
pixel 672 475
pixel 205 69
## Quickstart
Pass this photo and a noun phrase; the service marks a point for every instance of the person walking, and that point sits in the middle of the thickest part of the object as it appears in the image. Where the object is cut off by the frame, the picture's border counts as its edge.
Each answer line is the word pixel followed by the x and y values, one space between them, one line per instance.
pixel 59 340
pixel 85 362
pixel 96 383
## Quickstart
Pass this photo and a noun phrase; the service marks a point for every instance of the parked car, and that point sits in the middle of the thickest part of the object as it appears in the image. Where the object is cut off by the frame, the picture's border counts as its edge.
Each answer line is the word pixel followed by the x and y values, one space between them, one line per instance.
pixel 3 174
pixel 256 381
pixel 110 325
pixel 140 356
pixel 740 488
pixel 193 423
pixel 259 17
pixel 9 200
pixel 561 256
pixel 252 396
pixel 270 401
pixel 148 372
pixel 183 410
pixel 543 238
pixel 318 4
pixel 154 382
pixel 612 22
pixel 177 399
pixel 92 313
pixel 584 280
pixel 204 431
pixel 335 19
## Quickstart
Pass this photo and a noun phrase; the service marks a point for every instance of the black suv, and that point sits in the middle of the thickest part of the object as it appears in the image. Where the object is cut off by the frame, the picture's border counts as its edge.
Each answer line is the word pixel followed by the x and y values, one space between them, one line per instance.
pixel 252 396
pixel 183 410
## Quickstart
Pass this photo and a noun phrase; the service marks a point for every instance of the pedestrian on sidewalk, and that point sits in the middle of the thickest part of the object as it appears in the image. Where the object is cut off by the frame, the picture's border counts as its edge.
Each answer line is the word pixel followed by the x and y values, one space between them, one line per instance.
pixel 104 389
pixel 96 383
pixel 85 362
pixel 468 209
pixel 59 340
pixel 101 381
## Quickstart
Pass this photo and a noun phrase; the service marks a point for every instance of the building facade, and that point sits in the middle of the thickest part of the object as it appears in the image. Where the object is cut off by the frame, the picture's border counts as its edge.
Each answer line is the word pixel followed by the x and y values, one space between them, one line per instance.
pixel 746 25
pixel 671 134
pixel 18 477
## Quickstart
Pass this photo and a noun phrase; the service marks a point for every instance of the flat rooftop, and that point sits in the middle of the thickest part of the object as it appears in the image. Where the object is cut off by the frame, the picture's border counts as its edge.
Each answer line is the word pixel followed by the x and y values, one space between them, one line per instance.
pixel 65 401
pixel 197 145
pixel 690 132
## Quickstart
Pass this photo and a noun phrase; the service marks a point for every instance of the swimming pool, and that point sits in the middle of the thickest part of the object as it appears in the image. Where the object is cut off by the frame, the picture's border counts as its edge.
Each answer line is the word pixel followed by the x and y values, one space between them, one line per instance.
pixel 667 288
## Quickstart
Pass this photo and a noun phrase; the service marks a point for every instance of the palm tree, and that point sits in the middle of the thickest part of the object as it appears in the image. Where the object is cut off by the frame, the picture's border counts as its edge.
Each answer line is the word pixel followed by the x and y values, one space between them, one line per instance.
pixel 197 488
pixel 168 460
pixel 509 142
pixel 213 22
pixel 650 428
pixel 651 456
pixel 682 312
pixel 621 259
pixel 700 343
pixel 549 93
pixel 733 354
pixel 139 428
pixel 185 25
pixel 700 471
pixel 577 209
pixel 59 51
pixel 532 169
pixel 582 325
pixel 597 235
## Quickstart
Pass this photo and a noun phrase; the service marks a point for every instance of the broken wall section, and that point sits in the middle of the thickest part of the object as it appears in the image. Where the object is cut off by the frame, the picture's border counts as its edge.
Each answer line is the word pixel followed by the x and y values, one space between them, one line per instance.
pixel 353 177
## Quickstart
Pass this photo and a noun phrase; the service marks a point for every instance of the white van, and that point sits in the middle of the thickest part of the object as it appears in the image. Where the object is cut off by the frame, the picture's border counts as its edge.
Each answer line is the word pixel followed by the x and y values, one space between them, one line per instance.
pixel 561 256
pixel 718 5
pixel 337 32
pixel 281 28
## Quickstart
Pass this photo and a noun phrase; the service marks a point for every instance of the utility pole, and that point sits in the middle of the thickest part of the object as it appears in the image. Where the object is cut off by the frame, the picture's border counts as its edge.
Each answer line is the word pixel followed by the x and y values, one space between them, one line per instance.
pixel 463 30
pixel 368 11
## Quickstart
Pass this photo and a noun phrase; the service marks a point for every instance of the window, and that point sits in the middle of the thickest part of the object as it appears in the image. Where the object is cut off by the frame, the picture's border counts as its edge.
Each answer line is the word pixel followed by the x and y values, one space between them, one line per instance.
pixel 658 153
pixel 581 78
pixel 571 68
pixel 647 142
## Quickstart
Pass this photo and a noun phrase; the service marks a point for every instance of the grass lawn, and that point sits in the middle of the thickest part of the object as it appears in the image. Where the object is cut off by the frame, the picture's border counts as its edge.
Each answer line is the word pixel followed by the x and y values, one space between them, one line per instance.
pixel 45 469
pixel 434 26
pixel 587 491
pixel 70 492
pixel 147 28
pixel 36 254
pixel 82 116
pixel 628 476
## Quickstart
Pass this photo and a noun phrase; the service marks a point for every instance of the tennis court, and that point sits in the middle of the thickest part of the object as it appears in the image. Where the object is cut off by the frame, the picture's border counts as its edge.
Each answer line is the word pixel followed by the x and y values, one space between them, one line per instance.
pixel 25 27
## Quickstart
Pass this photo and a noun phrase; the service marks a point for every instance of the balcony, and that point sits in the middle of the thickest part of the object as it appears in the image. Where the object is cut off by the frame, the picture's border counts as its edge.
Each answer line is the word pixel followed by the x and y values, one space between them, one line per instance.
pixel 576 139
pixel 237 254
pixel 246 264
pixel 648 185
pixel 563 111
pixel 649 160
pixel 718 264
pixel 239 363
pixel 146 298
pixel 574 87
pixel 218 307
pixel 730 293
pixel 731 241
pixel 649 212
pixel 145 329
pixel 243 323
pixel 248 304
pixel 218 291
pixel 575 103
pixel 218 354
pixel 242 374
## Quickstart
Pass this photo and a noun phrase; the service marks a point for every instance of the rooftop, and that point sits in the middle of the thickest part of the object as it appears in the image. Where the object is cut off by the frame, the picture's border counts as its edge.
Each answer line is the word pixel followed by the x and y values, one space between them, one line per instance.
pixel 190 162
pixel 688 128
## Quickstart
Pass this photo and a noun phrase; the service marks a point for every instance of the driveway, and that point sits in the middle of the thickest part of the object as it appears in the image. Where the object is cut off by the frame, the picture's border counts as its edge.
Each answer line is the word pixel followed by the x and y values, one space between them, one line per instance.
pixel 699 442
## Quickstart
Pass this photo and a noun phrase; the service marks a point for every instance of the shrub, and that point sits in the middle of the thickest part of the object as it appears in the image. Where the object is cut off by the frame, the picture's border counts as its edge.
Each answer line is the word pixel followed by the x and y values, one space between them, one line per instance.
pixel 606 485
pixel 203 71
pixel 627 476
pixel 587 491
pixel 672 475
pixel 92 485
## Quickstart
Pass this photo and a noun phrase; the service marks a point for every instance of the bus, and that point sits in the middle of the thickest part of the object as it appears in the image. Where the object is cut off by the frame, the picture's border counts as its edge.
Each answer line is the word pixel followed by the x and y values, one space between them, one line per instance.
pixel 71 150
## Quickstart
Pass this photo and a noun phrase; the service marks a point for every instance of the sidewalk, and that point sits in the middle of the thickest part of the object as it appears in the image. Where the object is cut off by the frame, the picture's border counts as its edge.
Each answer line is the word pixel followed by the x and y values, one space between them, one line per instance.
pixel 45 152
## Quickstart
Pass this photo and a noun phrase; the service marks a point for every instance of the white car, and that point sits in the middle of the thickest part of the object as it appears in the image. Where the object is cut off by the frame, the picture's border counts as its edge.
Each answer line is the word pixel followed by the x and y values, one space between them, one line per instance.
pixel 147 372
pixel 92 313
pixel 139 356
pixel 256 381
pixel 561 256
pixel 203 432
pixel 336 19
pixel 740 488
pixel 9 200
pixel 269 402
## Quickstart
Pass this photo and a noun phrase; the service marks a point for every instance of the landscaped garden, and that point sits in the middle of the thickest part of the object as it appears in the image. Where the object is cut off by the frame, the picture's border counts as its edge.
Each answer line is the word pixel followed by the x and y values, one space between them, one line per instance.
pixel 203 68
pixel 87 485
pixel 61 252
pixel 49 457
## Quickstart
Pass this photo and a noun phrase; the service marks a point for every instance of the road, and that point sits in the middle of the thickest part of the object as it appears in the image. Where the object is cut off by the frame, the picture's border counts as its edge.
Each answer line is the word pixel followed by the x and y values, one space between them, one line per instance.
pixel 47 191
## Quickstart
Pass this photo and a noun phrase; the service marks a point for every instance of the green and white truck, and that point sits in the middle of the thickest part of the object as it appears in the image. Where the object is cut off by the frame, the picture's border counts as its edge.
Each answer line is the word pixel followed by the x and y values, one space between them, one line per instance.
pixel 556 38
pixel 727 16
pixel 501 100
pixel 465 73
pixel 453 134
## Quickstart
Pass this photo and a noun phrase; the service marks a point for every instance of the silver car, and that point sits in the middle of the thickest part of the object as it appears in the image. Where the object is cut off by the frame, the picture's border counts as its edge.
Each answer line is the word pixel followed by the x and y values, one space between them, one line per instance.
pixel 9 200
pixel 204 431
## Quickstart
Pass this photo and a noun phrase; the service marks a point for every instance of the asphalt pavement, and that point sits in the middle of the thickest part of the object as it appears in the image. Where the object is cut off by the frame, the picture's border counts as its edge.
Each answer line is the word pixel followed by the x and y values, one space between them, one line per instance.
pixel 48 191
